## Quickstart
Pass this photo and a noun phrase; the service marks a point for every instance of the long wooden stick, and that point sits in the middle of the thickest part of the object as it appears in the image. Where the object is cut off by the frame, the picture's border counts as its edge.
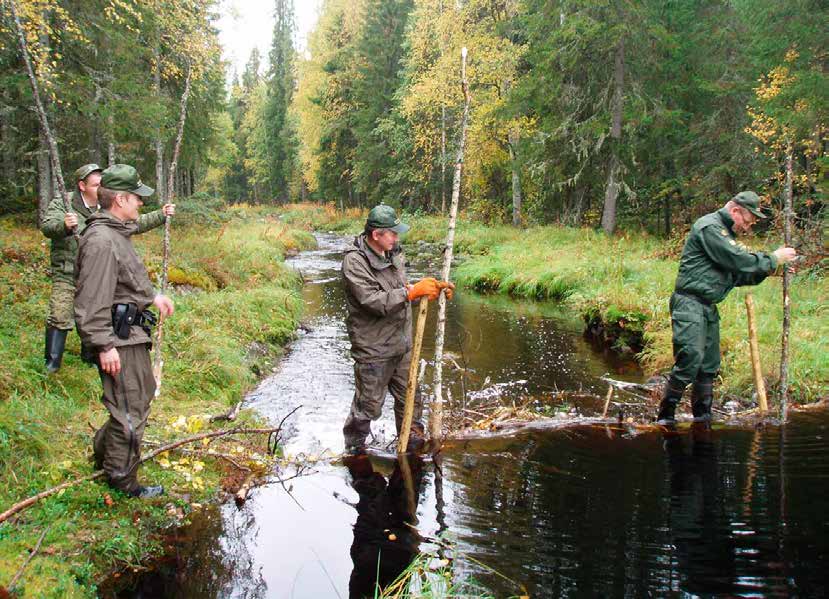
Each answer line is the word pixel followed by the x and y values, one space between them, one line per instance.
pixel 436 412
pixel 759 383
pixel 22 505
pixel 784 342
pixel 158 362
pixel 411 386
pixel 29 558
pixel 54 156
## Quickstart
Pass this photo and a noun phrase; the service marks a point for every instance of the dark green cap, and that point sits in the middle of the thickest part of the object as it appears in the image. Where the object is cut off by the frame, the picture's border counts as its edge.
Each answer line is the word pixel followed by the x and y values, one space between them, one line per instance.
pixel 123 177
pixel 384 217
pixel 86 170
pixel 750 201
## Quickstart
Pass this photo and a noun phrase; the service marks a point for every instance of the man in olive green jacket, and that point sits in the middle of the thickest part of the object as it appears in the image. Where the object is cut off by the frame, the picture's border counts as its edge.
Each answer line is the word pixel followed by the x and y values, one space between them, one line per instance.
pixel 379 323
pixel 60 226
pixel 713 262
pixel 111 301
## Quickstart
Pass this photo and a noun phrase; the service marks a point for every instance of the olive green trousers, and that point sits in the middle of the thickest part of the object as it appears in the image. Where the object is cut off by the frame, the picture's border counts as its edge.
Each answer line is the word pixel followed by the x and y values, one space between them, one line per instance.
pixel 696 338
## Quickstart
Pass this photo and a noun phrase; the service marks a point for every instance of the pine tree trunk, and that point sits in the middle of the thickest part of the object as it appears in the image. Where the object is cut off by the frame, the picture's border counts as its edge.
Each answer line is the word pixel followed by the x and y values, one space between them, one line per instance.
pixel 613 183
pixel 44 178
pixel 516 178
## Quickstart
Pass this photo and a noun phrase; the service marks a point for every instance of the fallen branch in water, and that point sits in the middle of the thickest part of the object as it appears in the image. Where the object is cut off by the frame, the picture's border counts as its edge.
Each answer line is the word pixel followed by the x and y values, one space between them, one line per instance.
pixel 242 494
pixel 22 505
pixel 29 558
pixel 230 415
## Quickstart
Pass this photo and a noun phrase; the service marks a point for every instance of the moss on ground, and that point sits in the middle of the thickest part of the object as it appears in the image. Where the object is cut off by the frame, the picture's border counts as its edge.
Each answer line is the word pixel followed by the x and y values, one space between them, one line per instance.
pixel 236 293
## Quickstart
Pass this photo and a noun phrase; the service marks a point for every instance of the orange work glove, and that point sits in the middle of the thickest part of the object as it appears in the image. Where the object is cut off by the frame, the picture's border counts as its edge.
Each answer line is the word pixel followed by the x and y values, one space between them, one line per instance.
pixel 427 287
pixel 449 287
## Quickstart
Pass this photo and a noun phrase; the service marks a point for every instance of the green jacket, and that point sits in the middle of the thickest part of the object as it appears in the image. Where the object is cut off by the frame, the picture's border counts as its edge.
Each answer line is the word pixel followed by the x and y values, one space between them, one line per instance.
pixel 713 261
pixel 379 320
pixel 109 272
pixel 64 245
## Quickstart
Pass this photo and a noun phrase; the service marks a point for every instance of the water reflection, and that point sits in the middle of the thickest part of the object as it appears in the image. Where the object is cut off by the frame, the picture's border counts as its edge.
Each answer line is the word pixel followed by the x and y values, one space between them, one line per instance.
pixel 386 539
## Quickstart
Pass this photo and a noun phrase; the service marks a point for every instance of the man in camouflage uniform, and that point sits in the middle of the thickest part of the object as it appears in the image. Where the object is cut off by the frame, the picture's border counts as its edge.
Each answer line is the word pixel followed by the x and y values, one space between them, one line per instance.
pixel 379 324
pixel 111 300
pixel 713 262
pixel 60 225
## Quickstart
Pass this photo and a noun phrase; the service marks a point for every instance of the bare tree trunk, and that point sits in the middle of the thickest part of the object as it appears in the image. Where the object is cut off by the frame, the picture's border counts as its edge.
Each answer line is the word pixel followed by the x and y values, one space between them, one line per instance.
pixel 613 183
pixel 7 111
pixel 436 412
pixel 110 140
pixel 443 159
pixel 157 362
pixel 516 178
pixel 159 142
pixel 55 175
pixel 787 237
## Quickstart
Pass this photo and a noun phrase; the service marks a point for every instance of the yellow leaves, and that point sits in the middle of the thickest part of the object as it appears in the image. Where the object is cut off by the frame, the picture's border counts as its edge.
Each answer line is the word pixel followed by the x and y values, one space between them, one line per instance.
pixel 188 424
pixel 771 85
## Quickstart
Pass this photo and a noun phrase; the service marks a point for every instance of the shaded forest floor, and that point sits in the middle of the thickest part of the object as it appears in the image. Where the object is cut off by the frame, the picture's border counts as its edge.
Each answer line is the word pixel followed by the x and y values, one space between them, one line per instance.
pixel 236 306
pixel 621 286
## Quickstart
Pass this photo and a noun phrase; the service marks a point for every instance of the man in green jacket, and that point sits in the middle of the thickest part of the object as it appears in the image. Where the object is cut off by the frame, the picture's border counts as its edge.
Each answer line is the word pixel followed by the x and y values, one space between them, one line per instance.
pixel 111 301
pixel 60 225
pixel 379 323
pixel 713 262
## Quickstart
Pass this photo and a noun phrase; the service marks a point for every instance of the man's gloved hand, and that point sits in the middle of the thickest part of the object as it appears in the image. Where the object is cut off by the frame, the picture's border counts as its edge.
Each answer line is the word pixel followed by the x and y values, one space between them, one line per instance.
pixel 427 288
pixel 449 287
pixel 430 288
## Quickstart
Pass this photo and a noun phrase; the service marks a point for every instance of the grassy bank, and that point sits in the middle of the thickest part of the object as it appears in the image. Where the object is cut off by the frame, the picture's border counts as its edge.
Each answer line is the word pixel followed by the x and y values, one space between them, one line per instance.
pixel 624 282
pixel 236 306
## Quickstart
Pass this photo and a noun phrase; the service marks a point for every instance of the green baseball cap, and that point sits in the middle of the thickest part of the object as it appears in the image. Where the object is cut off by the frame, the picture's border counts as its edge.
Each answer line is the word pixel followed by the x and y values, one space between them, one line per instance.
pixel 123 177
pixel 384 217
pixel 86 170
pixel 750 201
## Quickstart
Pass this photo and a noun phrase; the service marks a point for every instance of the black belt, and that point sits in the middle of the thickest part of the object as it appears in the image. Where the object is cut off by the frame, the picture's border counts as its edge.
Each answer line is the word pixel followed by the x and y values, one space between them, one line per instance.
pixel 694 297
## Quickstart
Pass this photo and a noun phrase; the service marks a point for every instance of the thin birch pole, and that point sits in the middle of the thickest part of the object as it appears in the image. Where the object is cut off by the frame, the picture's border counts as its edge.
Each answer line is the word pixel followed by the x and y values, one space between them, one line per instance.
pixel 54 156
pixel 158 362
pixel 436 413
pixel 784 343
pixel 759 383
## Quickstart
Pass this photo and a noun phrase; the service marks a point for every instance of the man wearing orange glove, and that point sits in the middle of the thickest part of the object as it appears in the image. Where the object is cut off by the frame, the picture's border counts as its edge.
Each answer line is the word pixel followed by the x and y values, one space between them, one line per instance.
pixel 379 324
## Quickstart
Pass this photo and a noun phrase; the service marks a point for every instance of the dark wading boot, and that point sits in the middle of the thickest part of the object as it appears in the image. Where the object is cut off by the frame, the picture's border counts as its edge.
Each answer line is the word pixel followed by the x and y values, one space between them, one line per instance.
pixel 142 492
pixel 702 396
pixel 667 407
pixel 55 342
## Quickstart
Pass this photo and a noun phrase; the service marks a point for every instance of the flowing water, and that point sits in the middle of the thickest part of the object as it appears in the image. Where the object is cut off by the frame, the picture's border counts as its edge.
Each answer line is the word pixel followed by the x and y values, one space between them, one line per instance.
pixel 587 510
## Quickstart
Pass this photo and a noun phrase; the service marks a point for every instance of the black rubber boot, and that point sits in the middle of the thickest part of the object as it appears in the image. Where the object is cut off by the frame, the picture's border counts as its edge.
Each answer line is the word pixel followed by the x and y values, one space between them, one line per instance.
pixel 702 396
pixel 55 342
pixel 667 407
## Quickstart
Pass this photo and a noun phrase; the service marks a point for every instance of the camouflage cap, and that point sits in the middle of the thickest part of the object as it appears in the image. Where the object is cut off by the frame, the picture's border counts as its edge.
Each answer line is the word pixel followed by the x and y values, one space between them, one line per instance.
pixel 750 201
pixel 86 170
pixel 123 177
pixel 385 217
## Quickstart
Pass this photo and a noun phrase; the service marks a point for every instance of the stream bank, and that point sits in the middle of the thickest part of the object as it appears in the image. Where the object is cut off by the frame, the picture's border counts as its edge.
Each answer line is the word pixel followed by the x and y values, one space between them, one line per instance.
pixel 602 510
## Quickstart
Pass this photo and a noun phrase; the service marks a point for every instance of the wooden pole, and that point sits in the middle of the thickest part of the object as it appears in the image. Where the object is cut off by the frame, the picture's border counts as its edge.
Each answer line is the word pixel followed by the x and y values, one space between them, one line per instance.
pixel 607 401
pixel 436 412
pixel 784 342
pixel 158 362
pixel 54 156
pixel 411 387
pixel 759 383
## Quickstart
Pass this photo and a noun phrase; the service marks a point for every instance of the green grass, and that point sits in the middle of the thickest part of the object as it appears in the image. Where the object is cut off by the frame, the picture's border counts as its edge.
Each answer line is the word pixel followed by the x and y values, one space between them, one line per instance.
pixel 239 292
pixel 626 281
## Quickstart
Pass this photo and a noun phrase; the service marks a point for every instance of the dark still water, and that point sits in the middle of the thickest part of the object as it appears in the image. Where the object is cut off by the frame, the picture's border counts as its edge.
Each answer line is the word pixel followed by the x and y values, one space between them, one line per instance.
pixel 585 511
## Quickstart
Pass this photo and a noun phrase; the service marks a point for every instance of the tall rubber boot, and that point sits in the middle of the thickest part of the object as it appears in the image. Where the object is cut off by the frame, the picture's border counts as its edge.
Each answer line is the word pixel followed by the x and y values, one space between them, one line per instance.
pixel 702 396
pixel 55 342
pixel 667 407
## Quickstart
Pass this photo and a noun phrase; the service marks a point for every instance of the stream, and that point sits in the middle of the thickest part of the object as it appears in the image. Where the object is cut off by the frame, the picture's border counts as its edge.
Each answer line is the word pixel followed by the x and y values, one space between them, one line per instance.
pixel 577 511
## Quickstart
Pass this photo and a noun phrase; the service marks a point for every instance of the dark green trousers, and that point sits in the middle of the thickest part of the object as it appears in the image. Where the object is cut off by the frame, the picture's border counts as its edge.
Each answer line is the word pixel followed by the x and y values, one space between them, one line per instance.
pixel 127 396
pixel 371 382
pixel 696 338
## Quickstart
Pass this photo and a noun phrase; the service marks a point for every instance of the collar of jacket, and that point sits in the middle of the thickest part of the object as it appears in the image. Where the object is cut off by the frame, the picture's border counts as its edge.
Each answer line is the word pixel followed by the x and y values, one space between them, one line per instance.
pixel 78 204
pixel 104 218
pixel 726 219
pixel 376 262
